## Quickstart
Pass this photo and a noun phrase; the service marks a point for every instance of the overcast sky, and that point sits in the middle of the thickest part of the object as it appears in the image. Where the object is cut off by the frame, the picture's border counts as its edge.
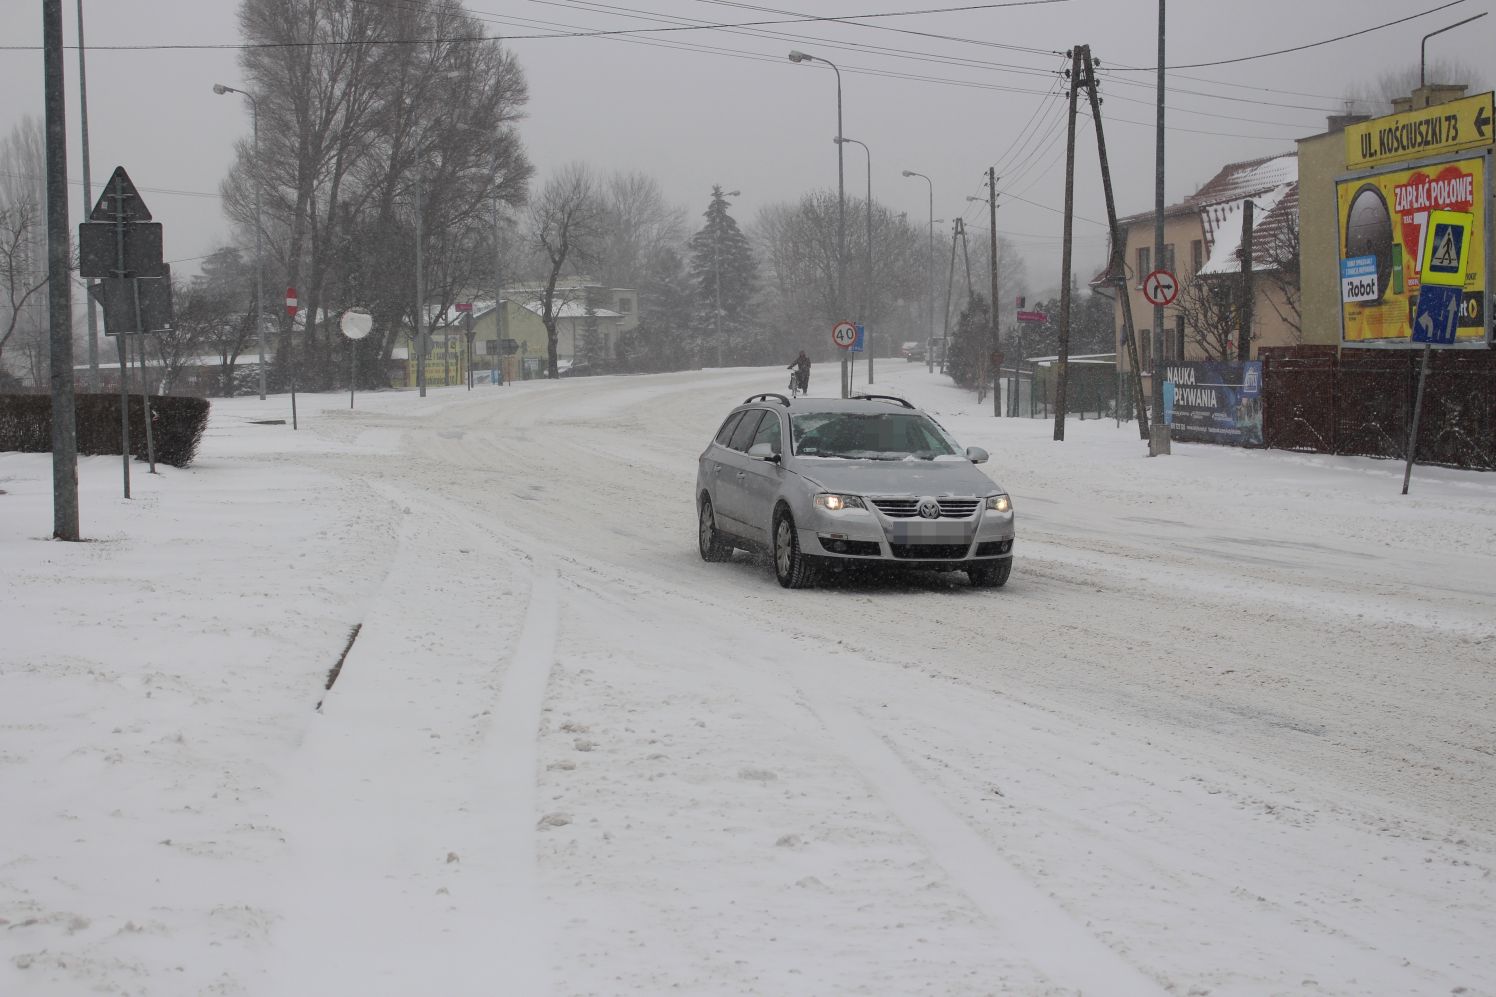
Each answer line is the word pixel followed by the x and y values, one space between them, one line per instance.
pixel 945 94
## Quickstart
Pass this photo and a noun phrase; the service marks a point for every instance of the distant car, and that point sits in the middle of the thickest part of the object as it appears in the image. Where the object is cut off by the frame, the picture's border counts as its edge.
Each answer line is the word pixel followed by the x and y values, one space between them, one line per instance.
pixel 583 370
pixel 830 483
pixel 912 351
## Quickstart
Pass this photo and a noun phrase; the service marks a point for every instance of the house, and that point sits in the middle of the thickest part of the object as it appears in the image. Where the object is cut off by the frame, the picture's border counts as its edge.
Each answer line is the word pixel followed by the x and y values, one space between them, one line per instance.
pixel 1203 238
pixel 517 317
pixel 509 337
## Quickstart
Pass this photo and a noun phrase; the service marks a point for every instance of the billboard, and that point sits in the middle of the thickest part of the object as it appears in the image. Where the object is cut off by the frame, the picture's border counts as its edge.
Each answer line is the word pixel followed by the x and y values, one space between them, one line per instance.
pixel 1383 218
pixel 1213 401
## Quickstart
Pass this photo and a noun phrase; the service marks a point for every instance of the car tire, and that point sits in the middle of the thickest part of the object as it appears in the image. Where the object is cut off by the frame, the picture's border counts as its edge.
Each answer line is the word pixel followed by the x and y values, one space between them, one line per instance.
pixel 714 547
pixel 791 566
pixel 990 576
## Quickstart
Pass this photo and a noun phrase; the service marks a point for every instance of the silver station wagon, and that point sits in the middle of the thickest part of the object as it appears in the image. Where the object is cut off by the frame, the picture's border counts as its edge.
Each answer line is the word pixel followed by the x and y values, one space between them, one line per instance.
pixel 829 483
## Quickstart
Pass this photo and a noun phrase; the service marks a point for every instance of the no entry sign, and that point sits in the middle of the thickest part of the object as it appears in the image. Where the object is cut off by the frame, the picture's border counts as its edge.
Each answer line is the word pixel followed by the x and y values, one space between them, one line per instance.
pixel 1160 288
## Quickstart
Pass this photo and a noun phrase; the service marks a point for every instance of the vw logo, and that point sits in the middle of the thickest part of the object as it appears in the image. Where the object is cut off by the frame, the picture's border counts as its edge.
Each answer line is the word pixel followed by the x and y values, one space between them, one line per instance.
pixel 929 508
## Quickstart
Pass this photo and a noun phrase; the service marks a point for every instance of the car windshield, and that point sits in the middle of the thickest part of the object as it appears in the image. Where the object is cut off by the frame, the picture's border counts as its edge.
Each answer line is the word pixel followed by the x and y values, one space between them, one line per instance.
pixel 868 436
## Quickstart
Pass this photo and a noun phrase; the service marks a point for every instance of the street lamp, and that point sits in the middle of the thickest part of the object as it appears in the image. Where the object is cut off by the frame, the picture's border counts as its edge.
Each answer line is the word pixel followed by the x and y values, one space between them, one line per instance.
pixel 867 285
pixel 717 265
pixel 254 107
pixel 841 187
pixel 930 327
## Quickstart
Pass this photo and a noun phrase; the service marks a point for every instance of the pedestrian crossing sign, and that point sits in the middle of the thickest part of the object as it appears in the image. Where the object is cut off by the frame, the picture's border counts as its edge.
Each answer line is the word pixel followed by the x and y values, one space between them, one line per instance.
pixel 1446 248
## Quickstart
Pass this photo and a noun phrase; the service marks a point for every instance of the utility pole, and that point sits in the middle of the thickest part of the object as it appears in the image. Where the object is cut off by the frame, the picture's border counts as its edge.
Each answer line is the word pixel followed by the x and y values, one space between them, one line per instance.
pixel 958 231
pixel 420 298
pixel 1117 265
pixel 59 283
pixel 1244 332
pixel 997 374
pixel 1062 364
pixel 1159 440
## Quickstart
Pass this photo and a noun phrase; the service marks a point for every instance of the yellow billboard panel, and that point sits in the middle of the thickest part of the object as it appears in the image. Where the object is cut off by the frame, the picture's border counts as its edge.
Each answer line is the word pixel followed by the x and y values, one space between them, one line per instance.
pixel 1455 126
pixel 1384 219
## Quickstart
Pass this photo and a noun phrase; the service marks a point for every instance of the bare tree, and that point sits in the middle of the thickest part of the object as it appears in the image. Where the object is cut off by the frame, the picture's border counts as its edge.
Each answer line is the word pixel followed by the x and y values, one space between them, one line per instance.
pixel 1277 259
pixel 23 251
pixel 635 225
pixel 394 95
pixel 1375 96
pixel 1209 308
pixel 564 224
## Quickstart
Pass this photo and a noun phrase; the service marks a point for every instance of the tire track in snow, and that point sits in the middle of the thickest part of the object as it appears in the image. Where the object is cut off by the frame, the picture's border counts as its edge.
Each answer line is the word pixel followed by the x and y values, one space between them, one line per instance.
pixel 1028 920
pixel 511 753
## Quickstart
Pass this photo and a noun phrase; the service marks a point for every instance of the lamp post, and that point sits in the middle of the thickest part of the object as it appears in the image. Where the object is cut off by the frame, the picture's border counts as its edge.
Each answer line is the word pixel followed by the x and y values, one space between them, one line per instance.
pixel 930 307
pixel 841 187
pixel 254 108
pixel 867 285
pixel 717 265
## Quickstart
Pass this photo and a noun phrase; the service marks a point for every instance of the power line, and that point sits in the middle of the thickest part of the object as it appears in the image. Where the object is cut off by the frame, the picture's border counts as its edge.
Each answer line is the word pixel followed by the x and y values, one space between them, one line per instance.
pixel 1296 48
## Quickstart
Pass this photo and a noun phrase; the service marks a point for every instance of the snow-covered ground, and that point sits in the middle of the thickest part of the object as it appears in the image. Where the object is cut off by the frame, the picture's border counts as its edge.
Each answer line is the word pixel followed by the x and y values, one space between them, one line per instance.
pixel 1229 730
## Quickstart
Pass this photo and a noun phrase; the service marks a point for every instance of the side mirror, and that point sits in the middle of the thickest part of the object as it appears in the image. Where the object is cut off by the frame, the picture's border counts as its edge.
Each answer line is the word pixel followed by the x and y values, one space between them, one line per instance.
pixel 976 455
pixel 764 451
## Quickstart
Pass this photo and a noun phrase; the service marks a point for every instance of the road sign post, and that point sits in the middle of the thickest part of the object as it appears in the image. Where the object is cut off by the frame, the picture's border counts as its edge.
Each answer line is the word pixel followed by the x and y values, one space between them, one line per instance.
pixel 1441 281
pixel 120 245
pixel 291 305
pixel 844 335
pixel 355 325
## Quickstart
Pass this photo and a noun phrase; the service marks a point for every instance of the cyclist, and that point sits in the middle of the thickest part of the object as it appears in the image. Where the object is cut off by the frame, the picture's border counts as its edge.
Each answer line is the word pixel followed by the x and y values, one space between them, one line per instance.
pixel 801 367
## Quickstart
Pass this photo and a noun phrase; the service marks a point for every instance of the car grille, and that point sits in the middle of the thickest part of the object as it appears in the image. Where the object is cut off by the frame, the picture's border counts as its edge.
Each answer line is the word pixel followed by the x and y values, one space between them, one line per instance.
pixel 929 552
pixel 908 508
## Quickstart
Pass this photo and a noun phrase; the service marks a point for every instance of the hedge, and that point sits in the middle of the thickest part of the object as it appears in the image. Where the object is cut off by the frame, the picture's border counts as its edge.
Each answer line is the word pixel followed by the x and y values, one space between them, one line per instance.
pixel 178 423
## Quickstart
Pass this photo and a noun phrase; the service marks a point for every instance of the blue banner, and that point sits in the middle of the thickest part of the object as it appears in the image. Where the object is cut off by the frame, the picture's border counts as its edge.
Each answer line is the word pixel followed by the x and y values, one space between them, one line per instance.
pixel 1211 401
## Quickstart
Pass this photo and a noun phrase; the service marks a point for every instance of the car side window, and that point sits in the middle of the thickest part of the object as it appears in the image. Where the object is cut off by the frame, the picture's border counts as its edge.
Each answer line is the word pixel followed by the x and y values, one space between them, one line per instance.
pixel 725 433
pixel 746 427
pixel 768 432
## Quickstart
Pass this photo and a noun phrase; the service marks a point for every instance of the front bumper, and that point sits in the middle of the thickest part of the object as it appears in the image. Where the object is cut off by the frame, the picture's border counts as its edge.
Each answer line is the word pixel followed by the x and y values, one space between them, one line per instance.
pixel 868 535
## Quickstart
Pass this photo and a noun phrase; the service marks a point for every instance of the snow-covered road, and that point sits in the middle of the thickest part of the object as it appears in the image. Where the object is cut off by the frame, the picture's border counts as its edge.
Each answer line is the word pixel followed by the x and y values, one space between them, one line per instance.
pixel 1229 729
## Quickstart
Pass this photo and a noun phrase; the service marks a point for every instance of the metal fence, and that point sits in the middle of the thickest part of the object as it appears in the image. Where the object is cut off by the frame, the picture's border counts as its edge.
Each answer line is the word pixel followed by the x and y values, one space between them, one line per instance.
pixel 1360 402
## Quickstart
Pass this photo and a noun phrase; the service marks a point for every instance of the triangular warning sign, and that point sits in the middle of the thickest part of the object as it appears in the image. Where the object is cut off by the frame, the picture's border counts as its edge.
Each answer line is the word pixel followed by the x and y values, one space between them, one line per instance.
pixel 1446 249
pixel 120 201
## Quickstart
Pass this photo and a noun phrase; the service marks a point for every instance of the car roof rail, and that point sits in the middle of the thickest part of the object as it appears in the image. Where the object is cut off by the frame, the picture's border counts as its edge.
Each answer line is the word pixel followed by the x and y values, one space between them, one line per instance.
pixel 767 394
pixel 883 398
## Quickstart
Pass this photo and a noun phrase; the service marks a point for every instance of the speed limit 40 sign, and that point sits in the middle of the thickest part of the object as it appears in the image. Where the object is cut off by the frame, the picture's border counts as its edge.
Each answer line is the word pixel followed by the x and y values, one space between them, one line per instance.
pixel 844 334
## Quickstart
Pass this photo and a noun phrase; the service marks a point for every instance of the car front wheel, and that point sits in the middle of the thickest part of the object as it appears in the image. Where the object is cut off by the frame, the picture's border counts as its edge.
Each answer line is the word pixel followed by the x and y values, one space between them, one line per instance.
pixel 791 566
pixel 990 576
pixel 713 546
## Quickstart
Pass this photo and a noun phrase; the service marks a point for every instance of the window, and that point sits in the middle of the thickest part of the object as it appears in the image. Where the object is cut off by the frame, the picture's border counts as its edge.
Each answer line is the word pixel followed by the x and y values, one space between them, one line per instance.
pixel 1197 256
pixel 1166 262
pixel 747 426
pixel 768 432
pixel 625 305
pixel 1145 263
pixel 1179 333
pixel 725 433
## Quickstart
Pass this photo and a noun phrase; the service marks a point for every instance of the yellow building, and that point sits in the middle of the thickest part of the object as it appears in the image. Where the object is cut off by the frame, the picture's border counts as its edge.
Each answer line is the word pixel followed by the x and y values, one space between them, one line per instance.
pixel 1328 157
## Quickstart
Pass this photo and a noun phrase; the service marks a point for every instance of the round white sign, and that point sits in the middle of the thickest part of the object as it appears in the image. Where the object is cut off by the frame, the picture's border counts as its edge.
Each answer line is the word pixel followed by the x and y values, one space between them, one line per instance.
pixel 356 325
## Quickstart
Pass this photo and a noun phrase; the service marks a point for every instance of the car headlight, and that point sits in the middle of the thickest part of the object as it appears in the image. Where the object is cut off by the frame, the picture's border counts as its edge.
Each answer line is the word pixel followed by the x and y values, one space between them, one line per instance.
pixel 999 503
pixel 836 503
